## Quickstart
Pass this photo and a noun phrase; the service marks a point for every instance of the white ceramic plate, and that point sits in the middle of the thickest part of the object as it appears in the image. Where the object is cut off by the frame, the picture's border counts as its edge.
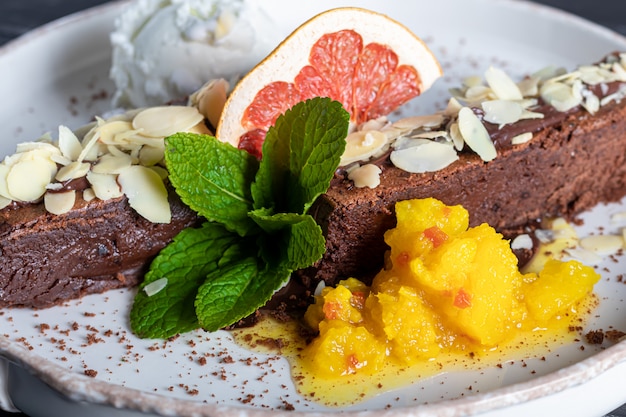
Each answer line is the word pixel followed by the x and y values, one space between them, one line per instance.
pixel 58 75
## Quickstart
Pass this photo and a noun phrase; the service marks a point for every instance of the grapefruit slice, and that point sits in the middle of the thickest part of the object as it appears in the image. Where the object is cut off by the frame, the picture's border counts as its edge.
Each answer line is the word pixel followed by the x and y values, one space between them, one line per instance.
pixel 365 60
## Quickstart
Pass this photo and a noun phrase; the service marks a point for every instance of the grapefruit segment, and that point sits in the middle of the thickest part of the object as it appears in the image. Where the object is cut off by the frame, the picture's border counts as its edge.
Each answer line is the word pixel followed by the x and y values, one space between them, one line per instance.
pixel 365 60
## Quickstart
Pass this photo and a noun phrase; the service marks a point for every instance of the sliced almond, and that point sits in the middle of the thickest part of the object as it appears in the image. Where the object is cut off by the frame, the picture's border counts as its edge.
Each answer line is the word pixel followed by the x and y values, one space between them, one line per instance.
pixel 529 86
pixel 104 186
pixel 502 85
pixel 210 99
pixel 410 123
pixel 164 121
pixel 59 203
pixel 88 194
pixel 367 175
pixel 591 103
pixel 452 108
pixel 72 171
pixel 41 155
pixel 620 72
pixel 584 255
pixel 602 244
pixel 404 142
pixel 455 135
pixel 475 135
pixel 112 164
pixel 150 155
pixel 479 93
pixel 593 74
pixel 146 193
pixel 560 96
pixel 155 287
pixel 125 151
pixel 521 138
pixel 60 159
pixel 109 132
pixel 361 145
pixel 378 123
pixel 502 112
pixel 427 156
pixel 54 186
pixel 28 178
pixel 91 149
pixel 563 229
pixel 523 241
pixel 41 148
pixel 161 172
pixel 616 218
pixel 69 144
pixel 135 138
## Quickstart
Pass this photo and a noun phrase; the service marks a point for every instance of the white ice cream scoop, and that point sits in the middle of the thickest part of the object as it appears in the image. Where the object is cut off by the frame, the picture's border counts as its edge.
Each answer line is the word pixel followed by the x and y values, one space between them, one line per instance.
pixel 165 50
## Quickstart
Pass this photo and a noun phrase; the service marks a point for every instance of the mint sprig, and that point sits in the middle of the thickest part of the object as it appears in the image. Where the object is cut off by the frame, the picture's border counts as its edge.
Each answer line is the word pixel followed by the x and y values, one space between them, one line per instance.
pixel 257 231
pixel 305 152
pixel 212 180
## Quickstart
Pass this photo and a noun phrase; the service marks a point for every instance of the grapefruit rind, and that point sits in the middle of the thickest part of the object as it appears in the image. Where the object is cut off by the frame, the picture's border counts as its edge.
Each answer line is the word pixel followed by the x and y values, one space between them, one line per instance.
pixel 286 61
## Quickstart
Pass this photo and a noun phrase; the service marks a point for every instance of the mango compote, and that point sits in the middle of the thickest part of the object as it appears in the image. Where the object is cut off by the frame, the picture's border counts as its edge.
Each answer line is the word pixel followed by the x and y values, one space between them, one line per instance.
pixel 446 289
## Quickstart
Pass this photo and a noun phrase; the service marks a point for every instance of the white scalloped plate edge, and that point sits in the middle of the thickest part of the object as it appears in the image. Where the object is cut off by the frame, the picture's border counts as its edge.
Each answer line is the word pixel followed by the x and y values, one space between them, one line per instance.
pixel 581 375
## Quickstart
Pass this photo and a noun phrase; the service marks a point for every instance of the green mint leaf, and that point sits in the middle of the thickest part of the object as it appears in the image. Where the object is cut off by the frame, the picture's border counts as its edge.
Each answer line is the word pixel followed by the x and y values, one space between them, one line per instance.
pixel 305 244
pixel 236 291
pixel 212 178
pixel 293 241
pixel 258 232
pixel 300 155
pixel 192 255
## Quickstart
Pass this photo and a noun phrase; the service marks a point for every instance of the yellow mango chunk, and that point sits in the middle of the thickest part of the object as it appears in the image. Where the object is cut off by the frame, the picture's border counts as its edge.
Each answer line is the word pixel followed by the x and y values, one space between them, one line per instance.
pixel 343 349
pixel 432 222
pixel 474 283
pixel 558 287
pixel 445 287
pixel 341 303
pixel 406 322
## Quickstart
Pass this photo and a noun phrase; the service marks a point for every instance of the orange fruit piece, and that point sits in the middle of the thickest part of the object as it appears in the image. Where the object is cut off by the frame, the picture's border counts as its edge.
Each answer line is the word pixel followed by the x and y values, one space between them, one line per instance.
pixel 365 60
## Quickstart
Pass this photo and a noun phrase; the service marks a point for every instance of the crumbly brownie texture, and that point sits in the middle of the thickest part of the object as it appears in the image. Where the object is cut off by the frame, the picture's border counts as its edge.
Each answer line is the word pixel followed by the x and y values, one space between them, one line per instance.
pixel 46 259
pixel 89 212
pixel 574 161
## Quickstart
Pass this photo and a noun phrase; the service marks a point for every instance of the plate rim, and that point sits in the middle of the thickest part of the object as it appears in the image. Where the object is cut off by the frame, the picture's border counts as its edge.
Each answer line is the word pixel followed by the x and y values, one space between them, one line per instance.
pixel 72 385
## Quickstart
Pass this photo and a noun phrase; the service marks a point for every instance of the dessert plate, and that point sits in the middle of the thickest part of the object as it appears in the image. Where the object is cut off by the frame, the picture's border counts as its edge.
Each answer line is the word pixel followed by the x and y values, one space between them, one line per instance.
pixel 81 357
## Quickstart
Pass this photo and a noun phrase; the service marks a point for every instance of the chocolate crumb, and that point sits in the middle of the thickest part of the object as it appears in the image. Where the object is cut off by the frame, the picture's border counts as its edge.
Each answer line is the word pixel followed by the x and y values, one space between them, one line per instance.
pixel 614 335
pixel 595 337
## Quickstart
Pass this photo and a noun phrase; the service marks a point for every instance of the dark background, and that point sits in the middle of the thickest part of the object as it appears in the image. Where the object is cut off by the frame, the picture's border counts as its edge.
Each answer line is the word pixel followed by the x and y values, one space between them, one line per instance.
pixel 19 16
